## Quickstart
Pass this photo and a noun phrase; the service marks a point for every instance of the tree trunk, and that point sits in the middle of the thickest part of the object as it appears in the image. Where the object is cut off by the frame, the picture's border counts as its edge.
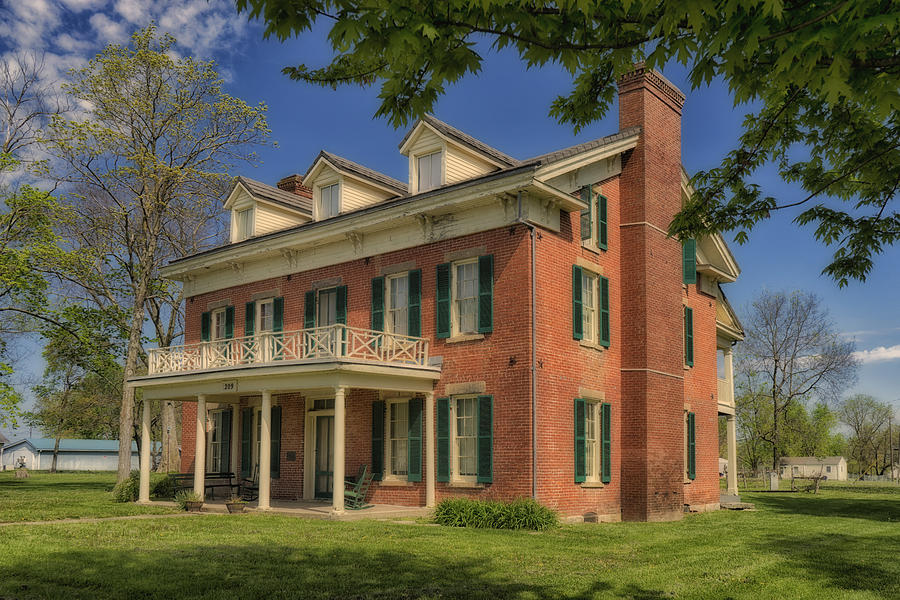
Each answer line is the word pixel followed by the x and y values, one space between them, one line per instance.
pixel 126 413
pixel 55 455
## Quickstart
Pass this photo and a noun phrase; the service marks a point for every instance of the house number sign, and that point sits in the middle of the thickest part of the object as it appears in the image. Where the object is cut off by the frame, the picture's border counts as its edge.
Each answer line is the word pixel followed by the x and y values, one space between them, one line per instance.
pixel 229 386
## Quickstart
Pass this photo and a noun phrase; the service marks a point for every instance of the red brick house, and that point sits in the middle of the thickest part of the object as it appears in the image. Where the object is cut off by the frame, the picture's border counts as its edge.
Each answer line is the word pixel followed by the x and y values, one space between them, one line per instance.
pixel 495 328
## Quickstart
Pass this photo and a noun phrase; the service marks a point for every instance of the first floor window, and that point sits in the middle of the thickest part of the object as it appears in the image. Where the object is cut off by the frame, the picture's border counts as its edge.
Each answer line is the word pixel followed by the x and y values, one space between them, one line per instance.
pixel 592 447
pixel 329 201
pixel 690 438
pixel 217 452
pixel 398 437
pixel 465 411
pixel 465 299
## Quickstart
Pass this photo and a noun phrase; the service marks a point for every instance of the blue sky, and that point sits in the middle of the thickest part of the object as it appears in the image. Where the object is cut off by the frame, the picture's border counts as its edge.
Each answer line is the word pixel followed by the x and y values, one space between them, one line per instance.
pixel 506 106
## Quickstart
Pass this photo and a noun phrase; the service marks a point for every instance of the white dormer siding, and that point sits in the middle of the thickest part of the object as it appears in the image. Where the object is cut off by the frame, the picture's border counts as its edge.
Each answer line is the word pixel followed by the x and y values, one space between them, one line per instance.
pixel 456 162
pixel 252 216
pixel 342 192
pixel 462 165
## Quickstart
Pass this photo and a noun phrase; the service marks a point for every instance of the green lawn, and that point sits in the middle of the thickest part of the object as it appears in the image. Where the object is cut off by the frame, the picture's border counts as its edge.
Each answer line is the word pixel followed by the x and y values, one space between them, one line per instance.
pixel 48 496
pixel 842 543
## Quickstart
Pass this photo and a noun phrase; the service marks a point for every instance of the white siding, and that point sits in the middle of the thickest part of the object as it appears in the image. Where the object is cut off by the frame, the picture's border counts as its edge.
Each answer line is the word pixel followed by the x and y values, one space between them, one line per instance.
pixel 272 218
pixel 462 165
pixel 425 142
pixel 355 195
pixel 11 456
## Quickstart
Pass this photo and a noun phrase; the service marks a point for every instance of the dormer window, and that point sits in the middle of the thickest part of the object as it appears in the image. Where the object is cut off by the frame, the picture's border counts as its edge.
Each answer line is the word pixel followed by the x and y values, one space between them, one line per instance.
pixel 428 171
pixel 243 224
pixel 329 201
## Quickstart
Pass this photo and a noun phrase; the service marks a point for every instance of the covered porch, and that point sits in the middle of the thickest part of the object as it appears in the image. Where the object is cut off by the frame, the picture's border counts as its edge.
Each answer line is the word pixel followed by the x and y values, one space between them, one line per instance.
pixel 300 392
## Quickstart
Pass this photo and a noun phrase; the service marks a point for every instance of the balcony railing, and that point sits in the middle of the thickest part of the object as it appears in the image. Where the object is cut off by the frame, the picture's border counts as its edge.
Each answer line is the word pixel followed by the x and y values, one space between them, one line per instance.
pixel 334 342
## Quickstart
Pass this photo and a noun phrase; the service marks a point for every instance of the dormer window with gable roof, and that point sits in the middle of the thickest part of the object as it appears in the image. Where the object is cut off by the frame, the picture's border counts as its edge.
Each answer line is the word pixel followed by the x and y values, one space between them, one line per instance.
pixel 329 201
pixel 428 172
pixel 243 227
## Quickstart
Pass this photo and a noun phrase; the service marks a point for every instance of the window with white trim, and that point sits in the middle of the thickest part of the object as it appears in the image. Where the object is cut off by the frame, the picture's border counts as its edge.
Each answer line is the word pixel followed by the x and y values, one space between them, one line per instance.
pixel 592 441
pixel 397 305
pixel 243 224
pixel 217 447
pixel 428 171
pixel 589 308
pixel 464 438
pixel 218 324
pixel 464 289
pixel 327 307
pixel 329 201
pixel 265 316
pixel 397 439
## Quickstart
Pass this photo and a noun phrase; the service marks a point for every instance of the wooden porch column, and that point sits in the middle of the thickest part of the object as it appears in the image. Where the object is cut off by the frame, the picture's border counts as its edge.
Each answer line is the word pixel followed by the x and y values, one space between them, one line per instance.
pixel 429 450
pixel 337 494
pixel 200 448
pixel 265 452
pixel 144 495
pixel 731 426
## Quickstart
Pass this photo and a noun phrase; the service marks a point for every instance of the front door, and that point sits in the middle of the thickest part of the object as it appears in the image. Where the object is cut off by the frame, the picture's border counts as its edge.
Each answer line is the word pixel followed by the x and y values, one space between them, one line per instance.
pixel 324 456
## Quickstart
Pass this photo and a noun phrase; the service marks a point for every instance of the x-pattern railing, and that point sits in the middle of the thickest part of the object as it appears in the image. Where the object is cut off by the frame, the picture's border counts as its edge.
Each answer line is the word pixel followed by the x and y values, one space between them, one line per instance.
pixel 329 342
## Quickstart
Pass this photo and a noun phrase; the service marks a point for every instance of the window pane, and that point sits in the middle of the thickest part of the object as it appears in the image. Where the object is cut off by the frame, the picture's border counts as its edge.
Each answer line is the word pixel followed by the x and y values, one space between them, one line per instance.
pixel 591 427
pixel 329 203
pixel 428 171
pixel 466 296
pixel 589 306
pixel 398 433
pixel 465 436
pixel 219 325
pixel 398 304
pixel 327 307
pixel 265 316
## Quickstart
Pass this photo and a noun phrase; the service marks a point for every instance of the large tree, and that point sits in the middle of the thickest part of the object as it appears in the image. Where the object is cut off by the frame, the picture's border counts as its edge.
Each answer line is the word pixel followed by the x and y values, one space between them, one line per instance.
pixel 791 354
pixel 144 169
pixel 822 74
pixel 867 419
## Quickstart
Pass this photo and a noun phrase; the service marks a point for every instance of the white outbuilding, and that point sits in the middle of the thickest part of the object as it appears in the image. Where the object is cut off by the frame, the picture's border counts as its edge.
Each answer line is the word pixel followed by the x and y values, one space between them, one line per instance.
pixel 74 455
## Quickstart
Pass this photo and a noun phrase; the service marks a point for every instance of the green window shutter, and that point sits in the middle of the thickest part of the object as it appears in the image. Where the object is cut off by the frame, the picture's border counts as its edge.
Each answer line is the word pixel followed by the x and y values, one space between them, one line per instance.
pixel 606 442
pixel 580 441
pixel 204 327
pixel 604 311
pixel 577 318
pixel 378 439
pixel 226 440
pixel 278 314
pixel 689 261
pixel 485 449
pixel 688 336
pixel 249 318
pixel 229 322
pixel 341 311
pixel 275 469
pixel 378 303
pixel 414 441
pixel 602 239
pixel 443 439
pixel 309 310
pixel 443 300
pixel 246 435
pixel 414 310
pixel 486 293
pixel 692 447
pixel 586 225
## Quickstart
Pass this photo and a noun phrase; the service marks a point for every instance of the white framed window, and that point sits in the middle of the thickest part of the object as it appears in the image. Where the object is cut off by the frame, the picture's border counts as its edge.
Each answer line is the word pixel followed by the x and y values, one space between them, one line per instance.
pixel 217 449
pixel 589 307
pixel 218 324
pixel 329 200
pixel 243 228
pixel 428 171
pixel 828 469
pixel 464 289
pixel 326 307
pixel 397 439
pixel 397 303
pixel 265 316
pixel 464 437
pixel 592 458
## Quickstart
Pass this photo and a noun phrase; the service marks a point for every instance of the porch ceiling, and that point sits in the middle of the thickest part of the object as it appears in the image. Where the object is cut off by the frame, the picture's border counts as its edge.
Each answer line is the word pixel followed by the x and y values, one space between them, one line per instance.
pixel 228 384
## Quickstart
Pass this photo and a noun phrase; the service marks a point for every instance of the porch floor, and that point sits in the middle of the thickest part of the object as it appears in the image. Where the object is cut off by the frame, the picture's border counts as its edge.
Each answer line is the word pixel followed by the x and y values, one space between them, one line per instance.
pixel 317 509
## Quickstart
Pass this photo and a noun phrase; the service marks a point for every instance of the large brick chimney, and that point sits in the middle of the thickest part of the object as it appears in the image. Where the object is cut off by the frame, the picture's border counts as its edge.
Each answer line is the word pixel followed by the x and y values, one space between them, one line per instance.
pixel 652 313
pixel 294 184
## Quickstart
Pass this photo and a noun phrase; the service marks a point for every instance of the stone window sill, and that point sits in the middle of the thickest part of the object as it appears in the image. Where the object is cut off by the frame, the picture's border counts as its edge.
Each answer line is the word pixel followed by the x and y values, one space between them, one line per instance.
pixel 592 485
pixel 395 483
pixel 592 345
pixel 464 337
pixel 688 481
pixel 466 485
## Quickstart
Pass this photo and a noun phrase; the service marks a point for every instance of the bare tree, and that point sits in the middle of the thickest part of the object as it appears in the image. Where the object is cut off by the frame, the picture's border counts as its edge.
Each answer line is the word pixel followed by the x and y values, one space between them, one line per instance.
pixel 27 101
pixel 867 419
pixel 791 353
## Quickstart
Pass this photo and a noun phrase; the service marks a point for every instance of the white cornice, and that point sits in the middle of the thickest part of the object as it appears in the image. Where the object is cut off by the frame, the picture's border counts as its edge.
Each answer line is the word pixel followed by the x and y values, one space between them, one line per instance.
pixel 583 159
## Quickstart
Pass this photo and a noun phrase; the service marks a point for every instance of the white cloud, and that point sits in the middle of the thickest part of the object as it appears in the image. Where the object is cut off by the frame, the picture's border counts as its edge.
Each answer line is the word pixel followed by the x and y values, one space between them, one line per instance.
pixel 81 5
pixel 880 354
pixel 107 29
pixel 134 11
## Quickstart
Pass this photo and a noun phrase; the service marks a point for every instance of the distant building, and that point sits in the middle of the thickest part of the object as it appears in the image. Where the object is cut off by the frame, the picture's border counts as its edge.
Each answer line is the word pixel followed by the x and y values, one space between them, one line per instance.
pixel 831 467
pixel 74 455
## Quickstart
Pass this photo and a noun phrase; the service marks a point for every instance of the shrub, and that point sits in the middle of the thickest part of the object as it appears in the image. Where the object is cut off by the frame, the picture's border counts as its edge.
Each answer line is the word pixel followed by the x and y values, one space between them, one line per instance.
pixel 164 488
pixel 524 513
pixel 127 490
pixel 185 496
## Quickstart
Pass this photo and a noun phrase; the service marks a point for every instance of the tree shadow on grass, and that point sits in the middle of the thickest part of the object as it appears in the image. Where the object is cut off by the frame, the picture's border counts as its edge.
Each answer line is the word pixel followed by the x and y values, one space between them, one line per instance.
pixel 848 562
pixel 279 572
pixel 818 506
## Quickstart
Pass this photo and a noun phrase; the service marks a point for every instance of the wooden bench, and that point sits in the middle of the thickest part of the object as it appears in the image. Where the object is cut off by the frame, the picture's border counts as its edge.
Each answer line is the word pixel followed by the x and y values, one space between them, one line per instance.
pixel 212 481
pixel 813 486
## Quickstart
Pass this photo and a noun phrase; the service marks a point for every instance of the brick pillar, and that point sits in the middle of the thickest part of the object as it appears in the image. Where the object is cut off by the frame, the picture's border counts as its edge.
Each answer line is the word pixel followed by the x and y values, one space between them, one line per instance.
pixel 652 318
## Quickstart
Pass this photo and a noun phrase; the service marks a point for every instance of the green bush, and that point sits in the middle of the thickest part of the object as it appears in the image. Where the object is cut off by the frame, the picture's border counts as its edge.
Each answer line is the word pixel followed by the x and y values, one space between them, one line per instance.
pixel 127 490
pixel 524 513
pixel 164 488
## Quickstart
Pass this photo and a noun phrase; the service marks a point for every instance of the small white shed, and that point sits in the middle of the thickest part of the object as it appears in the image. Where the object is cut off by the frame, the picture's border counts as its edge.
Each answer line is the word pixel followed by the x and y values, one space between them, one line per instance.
pixel 833 468
pixel 74 455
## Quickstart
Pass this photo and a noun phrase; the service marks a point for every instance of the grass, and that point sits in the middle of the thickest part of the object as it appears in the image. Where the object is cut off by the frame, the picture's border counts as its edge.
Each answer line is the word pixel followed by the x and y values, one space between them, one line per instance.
pixel 840 544
pixel 47 496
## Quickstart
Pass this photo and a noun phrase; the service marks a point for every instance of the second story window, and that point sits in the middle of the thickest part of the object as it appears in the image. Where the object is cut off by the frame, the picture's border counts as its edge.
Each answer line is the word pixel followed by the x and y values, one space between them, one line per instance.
pixel 589 306
pixel 466 296
pixel 329 201
pixel 327 306
pixel 428 171
pixel 266 316
pixel 243 224
pixel 218 317
pixel 398 304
